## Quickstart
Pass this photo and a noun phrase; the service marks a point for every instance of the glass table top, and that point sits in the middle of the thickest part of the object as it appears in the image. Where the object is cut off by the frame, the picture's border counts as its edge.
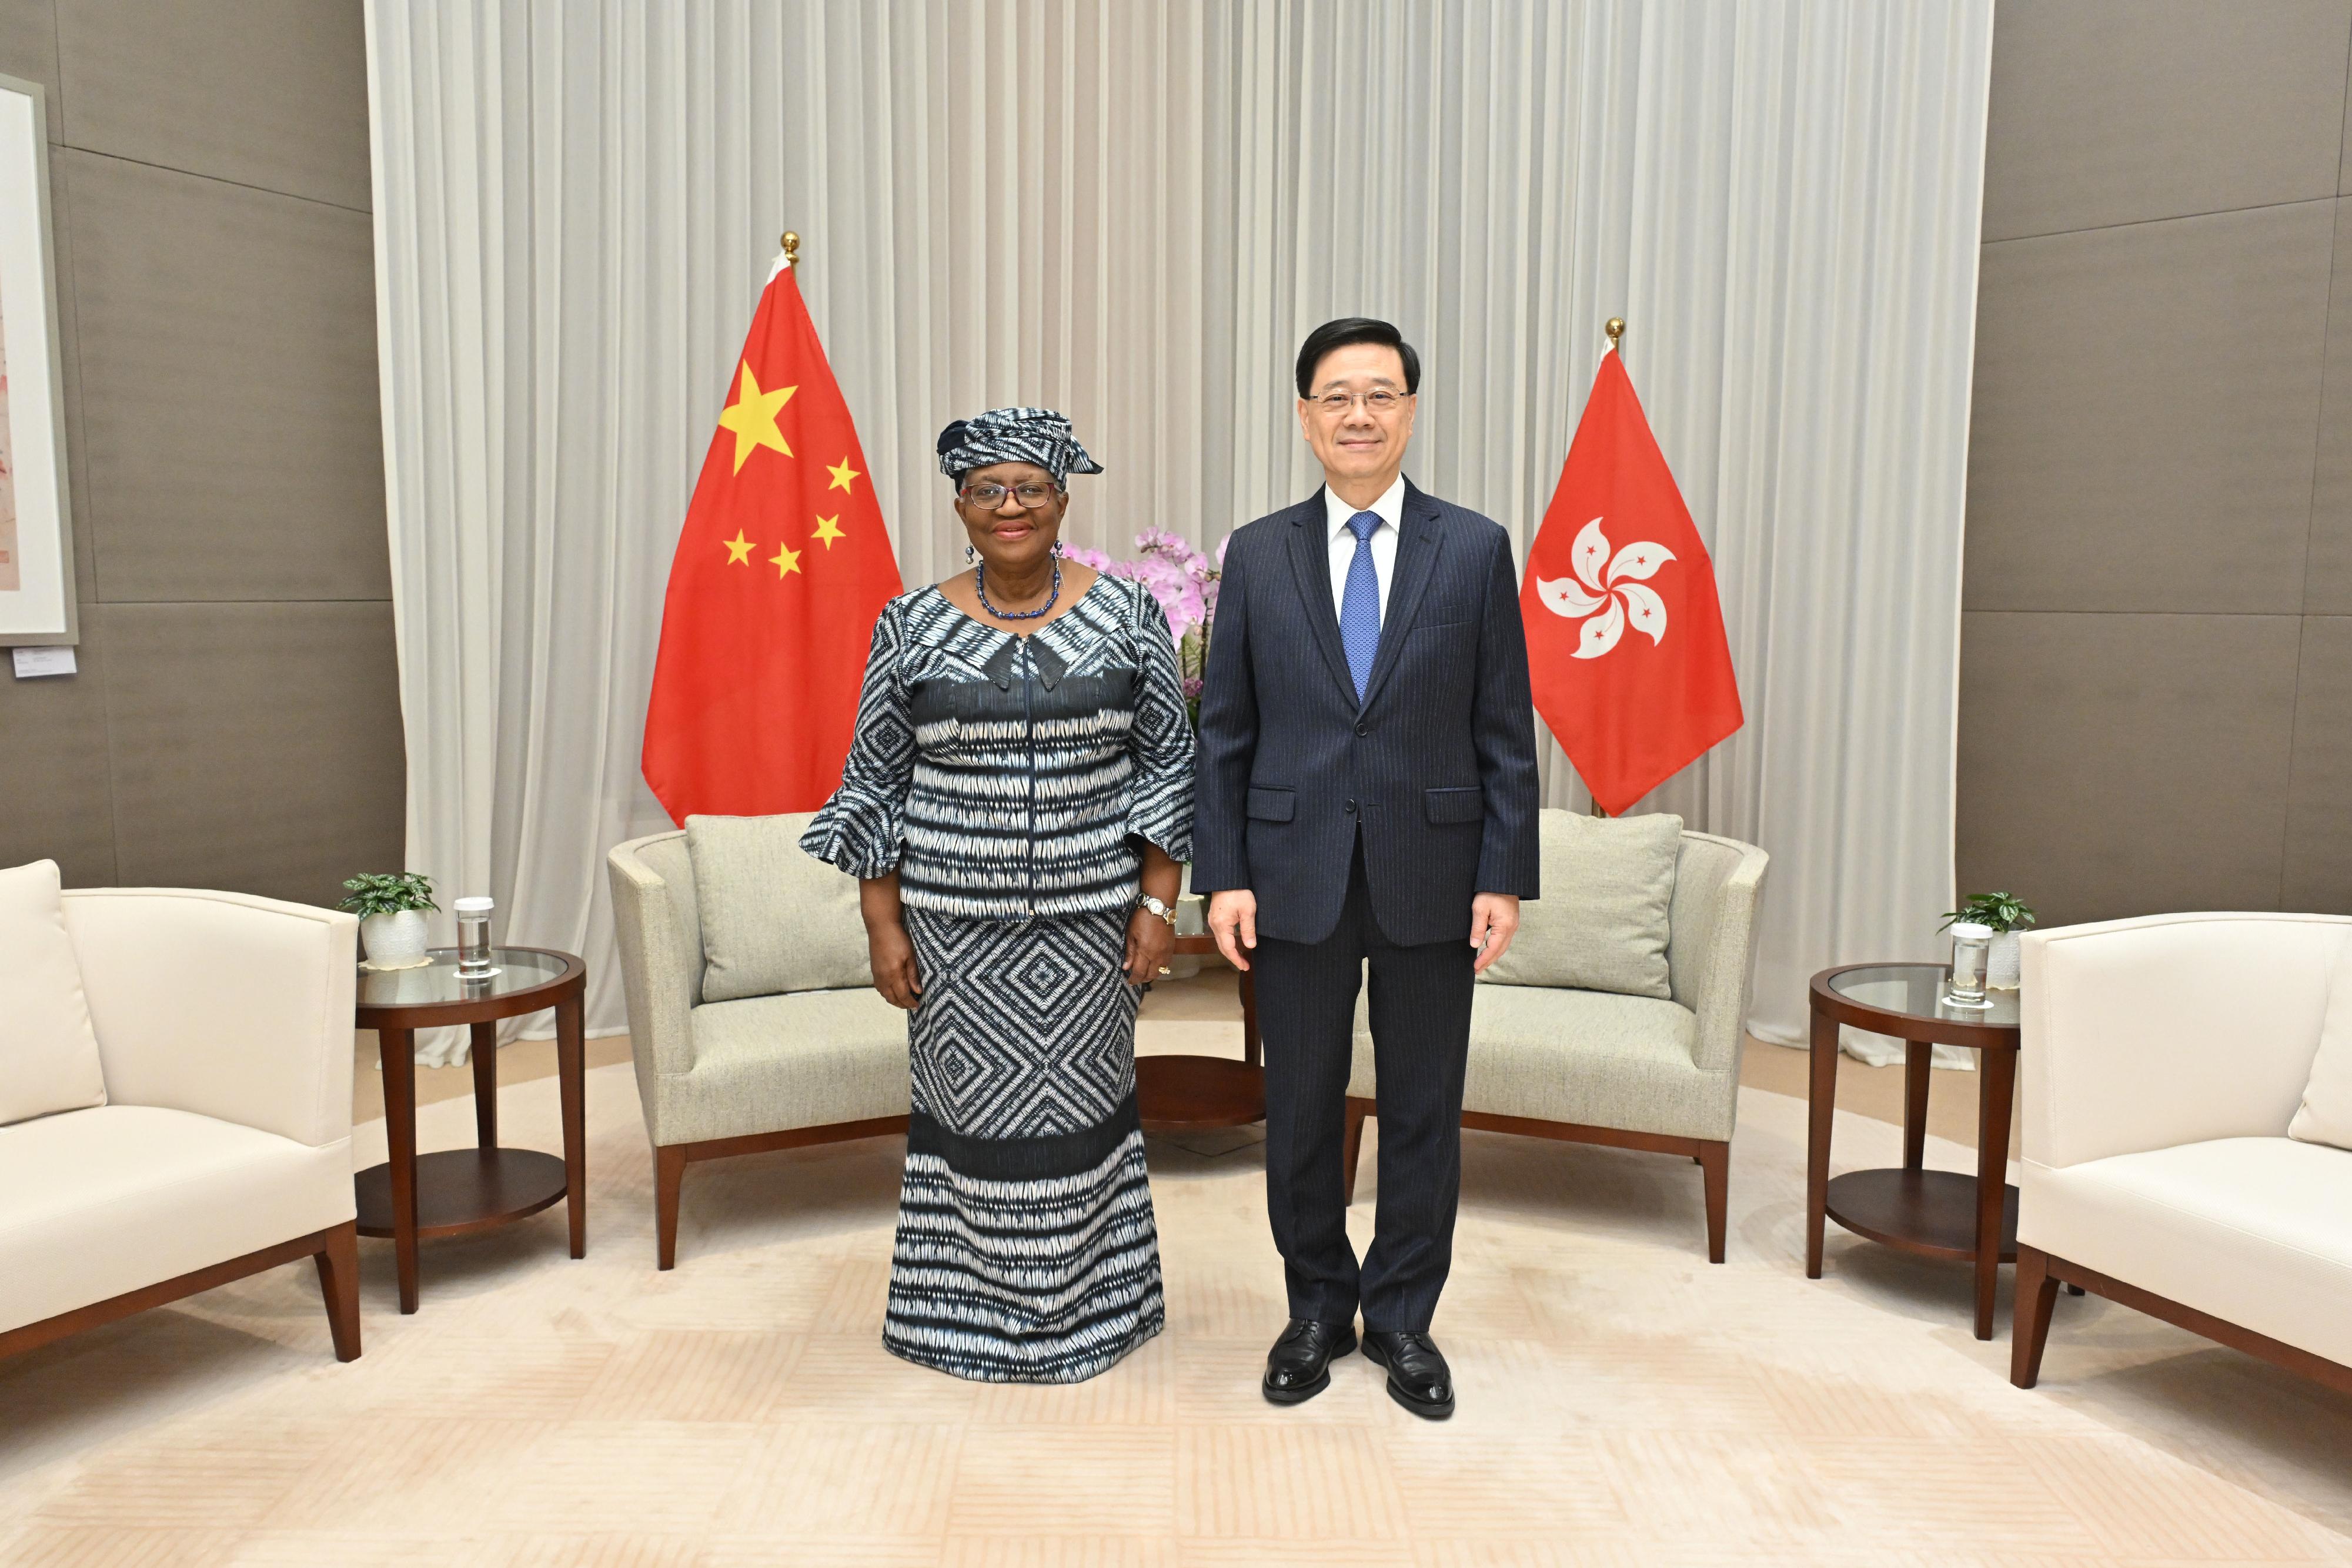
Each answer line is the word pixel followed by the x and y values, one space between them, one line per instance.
pixel 517 970
pixel 1917 990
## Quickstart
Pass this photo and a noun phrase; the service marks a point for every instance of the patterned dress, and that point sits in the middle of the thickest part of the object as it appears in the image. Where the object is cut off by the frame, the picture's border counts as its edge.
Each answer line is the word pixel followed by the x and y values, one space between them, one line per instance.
pixel 1011 782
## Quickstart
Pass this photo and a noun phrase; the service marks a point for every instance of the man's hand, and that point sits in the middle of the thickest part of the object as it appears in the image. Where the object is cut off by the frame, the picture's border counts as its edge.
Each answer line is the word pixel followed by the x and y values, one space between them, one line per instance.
pixel 1233 919
pixel 1494 921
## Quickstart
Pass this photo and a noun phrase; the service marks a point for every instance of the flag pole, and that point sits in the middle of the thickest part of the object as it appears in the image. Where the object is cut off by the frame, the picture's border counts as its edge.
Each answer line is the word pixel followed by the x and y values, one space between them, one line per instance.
pixel 792 243
pixel 1616 329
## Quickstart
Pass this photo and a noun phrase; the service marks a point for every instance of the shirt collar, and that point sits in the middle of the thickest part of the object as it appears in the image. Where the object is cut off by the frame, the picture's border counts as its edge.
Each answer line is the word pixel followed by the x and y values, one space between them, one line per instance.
pixel 1389 507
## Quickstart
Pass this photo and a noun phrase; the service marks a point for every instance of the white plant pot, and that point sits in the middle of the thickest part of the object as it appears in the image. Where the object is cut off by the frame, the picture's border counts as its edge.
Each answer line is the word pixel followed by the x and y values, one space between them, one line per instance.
pixel 394 941
pixel 2002 964
pixel 1191 920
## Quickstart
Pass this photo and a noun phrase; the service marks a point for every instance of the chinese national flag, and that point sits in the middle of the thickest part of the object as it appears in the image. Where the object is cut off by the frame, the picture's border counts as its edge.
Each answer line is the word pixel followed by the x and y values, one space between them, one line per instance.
pixel 780 569
pixel 1625 641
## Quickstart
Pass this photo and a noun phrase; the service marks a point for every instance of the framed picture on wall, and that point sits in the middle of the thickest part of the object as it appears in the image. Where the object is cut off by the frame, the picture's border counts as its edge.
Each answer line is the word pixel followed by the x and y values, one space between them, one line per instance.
pixel 37 572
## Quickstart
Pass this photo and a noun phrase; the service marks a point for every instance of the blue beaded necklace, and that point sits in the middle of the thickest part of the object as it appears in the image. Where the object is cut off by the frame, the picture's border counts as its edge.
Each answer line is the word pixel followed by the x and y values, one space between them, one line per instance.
pixel 980 587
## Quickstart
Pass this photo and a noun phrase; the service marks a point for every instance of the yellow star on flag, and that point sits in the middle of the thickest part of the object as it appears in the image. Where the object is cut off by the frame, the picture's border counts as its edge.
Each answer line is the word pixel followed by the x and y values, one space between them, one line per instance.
pixel 842 475
pixel 828 529
pixel 753 417
pixel 738 550
pixel 785 559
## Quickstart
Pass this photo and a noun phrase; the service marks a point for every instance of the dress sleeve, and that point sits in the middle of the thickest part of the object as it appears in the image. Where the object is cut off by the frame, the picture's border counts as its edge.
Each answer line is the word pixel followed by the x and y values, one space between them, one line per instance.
pixel 1161 792
pixel 863 827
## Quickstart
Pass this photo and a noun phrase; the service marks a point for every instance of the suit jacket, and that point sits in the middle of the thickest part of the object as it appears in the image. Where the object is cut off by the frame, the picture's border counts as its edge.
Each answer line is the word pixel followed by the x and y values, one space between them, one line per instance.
pixel 1437 766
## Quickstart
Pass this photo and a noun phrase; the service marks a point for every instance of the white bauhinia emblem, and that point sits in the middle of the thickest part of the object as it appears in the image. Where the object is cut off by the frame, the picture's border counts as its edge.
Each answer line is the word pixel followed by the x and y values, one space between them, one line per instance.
pixel 1608 593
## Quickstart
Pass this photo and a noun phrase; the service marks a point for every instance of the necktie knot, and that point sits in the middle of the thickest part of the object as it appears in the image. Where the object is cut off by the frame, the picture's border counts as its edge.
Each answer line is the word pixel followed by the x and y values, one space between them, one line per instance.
pixel 1362 524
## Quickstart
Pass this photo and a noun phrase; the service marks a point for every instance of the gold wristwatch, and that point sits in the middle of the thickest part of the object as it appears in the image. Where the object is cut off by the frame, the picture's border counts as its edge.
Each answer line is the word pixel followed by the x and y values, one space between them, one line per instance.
pixel 1164 911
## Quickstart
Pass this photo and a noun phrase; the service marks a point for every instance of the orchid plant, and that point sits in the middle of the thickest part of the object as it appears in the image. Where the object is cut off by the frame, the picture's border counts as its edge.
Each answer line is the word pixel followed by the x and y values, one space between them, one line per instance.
pixel 1184 581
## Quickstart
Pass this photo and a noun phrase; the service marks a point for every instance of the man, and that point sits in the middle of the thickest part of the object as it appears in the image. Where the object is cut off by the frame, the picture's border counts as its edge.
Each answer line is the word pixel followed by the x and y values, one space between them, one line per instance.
pixel 1366 793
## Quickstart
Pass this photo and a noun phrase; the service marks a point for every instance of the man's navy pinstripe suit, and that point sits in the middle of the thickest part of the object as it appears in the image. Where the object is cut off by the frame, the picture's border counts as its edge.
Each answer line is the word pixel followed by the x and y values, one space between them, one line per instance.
pixel 1364 831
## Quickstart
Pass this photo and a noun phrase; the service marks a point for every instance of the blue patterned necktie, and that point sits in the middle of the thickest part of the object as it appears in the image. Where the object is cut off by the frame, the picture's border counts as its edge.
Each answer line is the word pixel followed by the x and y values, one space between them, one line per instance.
pixel 1359 606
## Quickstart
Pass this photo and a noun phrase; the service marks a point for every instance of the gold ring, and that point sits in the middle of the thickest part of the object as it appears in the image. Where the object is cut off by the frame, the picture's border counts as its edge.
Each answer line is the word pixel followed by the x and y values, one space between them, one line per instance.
pixel 1166 970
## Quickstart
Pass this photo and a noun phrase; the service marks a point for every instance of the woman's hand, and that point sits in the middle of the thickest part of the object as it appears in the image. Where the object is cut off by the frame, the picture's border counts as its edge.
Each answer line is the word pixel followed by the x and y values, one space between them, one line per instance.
pixel 893 957
pixel 1149 940
pixel 888 947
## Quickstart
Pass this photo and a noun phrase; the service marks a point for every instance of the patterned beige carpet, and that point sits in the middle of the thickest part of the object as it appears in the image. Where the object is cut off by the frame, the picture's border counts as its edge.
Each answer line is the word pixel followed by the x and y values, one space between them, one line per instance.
pixel 1623 1402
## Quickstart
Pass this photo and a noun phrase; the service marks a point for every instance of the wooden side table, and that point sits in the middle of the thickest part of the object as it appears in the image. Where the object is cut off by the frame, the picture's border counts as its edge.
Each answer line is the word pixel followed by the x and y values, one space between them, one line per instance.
pixel 1189 1094
pixel 1935 1214
pixel 457 1192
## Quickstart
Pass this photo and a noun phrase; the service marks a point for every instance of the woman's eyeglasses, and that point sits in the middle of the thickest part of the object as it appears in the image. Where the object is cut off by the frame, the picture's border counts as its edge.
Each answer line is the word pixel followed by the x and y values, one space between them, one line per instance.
pixel 988 498
pixel 1335 406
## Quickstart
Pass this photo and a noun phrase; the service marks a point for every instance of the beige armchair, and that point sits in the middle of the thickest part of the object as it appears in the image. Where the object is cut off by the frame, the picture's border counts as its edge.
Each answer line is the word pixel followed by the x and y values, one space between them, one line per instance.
pixel 1634 1072
pixel 751 1074
pixel 223 1143
pixel 2164 1059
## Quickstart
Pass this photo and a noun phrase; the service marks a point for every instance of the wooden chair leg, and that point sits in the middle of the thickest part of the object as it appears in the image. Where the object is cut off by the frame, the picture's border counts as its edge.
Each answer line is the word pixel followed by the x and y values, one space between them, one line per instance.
pixel 1351 1150
pixel 669 1173
pixel 2029 1325
pixel 339 1281
pixel 1715 1161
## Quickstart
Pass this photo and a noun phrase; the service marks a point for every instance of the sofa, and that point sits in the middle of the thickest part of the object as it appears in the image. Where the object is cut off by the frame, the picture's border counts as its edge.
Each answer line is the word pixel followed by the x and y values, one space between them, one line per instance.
pixel 219 1143
pixel 2164 1060
pixel 1643 1073
pixel 751 1073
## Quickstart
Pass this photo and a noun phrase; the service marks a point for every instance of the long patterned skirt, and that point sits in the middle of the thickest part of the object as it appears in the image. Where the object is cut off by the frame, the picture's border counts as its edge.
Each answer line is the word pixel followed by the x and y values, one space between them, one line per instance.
pixel 1026 1251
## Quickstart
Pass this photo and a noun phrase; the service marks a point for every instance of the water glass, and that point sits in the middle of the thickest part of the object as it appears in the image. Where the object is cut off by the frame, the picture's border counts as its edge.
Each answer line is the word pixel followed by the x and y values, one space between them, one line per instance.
pixel 474 938
pixel 1971 944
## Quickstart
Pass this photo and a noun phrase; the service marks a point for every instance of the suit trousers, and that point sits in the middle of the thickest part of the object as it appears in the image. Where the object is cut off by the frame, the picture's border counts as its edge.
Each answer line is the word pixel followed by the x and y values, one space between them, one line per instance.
pixel 1421 1041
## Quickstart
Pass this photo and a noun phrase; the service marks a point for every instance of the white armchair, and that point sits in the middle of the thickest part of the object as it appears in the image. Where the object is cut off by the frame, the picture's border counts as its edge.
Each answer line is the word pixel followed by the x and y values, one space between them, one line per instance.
pixel 223 1027
pixel 1634 1072
pixel 2163 1060
pixel 748 1075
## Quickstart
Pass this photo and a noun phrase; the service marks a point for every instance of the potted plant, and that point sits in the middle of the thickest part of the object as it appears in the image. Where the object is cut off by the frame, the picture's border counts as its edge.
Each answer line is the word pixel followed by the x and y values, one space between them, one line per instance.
pixel 391 906
pixel 2007 915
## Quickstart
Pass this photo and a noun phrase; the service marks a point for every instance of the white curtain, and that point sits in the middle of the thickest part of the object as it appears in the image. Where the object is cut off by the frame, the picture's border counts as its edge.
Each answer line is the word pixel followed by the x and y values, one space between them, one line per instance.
pixel 1132 210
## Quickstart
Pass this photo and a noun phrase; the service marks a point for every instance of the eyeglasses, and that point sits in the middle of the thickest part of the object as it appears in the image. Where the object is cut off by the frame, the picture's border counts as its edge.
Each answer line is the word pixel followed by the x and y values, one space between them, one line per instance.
pixel 1379 402
pixel 1030 493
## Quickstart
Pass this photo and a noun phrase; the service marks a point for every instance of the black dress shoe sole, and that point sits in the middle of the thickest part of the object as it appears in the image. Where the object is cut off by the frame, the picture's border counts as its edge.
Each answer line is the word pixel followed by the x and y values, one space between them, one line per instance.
pixel 1427 1409
pixel 1300 1395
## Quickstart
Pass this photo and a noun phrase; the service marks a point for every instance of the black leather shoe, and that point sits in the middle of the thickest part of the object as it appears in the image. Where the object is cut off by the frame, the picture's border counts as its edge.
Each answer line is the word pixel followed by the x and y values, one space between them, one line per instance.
pixel 1299 1367
pixel 1418 1377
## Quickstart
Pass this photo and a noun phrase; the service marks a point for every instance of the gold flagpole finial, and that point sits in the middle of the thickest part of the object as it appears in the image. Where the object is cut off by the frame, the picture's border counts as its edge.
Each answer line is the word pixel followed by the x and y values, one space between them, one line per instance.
pixel 1615 328
pixel 791 242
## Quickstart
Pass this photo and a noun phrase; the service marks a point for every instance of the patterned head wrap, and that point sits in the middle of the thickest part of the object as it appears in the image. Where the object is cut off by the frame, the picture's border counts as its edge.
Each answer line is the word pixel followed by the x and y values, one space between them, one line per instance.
pixel 1037 435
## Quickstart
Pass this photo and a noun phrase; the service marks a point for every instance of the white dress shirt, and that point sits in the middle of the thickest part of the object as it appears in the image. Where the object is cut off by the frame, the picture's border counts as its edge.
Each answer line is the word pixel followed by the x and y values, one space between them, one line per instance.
pixel 1390 508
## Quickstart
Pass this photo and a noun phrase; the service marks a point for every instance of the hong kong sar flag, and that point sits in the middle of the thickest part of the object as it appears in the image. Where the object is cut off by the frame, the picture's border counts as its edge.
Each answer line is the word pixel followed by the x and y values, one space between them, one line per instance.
pixel 1625 638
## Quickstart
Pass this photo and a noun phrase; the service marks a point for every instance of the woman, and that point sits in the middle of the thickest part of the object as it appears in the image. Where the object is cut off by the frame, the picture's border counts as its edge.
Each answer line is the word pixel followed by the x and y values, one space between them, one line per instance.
pixel 1016 801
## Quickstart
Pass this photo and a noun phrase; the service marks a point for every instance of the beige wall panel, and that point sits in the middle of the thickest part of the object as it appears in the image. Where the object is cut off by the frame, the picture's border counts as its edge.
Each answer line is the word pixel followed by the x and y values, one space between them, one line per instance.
pixel 2116 111
pixel 2319 795
pixel 271 93
pixel 256 747
pixel 2115 764
pixel 228 389
pixel 29 49
pixel 2143 427
pixel 2327 576
pixel 55 800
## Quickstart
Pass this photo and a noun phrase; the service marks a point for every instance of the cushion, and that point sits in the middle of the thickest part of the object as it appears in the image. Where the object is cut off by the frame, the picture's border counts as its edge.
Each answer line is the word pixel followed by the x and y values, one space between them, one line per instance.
pixel 101 1202
pixel 2325 1115
pixel 774 918
pixel 49 1052
pixel 1600 924
pixel 2255 1231
pixel 1588 1057
pixel 772 1064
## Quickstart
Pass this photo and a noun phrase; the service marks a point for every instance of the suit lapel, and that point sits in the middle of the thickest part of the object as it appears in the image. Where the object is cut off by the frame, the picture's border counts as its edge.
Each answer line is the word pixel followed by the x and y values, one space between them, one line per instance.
pixel 1310 568
pixel 1416 558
